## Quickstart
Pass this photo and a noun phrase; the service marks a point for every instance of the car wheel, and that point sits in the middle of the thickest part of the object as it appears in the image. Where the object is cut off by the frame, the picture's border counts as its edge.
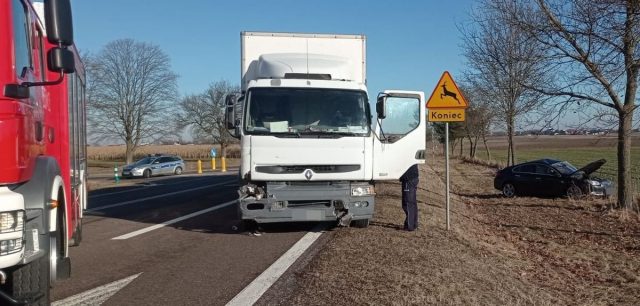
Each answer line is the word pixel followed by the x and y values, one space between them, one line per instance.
pixel 574 192
pixel 508 190
pixel 178 171
pixel 146 173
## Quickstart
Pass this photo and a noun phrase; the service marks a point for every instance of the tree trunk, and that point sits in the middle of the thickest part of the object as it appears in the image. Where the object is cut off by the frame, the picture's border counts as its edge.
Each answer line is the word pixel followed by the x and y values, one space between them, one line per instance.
pixel 511 159
pixel 625 182
pixel 130 149
pixel 486 147
pixel 475 147
pixel 223 149
pixel 452 145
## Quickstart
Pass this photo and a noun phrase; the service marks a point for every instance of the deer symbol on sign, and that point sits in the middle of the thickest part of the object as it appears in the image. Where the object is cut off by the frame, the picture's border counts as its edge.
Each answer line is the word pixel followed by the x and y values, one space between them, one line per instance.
pixel 448 93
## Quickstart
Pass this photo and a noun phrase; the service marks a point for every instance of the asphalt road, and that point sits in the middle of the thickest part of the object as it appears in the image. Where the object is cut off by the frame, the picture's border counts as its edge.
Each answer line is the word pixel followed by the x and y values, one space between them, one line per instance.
pixel 202 260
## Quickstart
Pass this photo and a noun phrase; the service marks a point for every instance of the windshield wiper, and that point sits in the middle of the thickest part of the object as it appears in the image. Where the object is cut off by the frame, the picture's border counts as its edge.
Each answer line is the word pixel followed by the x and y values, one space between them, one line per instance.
pixel 328 134
pixel 287 134
pixel 345 133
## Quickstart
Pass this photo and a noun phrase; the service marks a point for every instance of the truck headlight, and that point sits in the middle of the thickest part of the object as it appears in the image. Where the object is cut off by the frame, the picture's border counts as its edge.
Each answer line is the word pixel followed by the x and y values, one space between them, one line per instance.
pixel 10 246
pixel 11 221
pixel 360 191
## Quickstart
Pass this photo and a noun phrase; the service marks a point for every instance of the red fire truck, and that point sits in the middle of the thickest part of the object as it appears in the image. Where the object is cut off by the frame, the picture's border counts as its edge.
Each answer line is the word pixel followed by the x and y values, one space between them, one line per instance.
pixel 42 149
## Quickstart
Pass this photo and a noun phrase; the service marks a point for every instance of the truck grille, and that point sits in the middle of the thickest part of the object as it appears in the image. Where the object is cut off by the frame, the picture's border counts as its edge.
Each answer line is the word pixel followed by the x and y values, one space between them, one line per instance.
pixel 305 203
pixel 295 169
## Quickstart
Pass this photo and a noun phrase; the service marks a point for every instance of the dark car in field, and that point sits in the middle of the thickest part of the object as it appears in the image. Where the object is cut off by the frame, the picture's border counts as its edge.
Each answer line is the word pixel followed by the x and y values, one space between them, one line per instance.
pixel 154 165
pixel 552 178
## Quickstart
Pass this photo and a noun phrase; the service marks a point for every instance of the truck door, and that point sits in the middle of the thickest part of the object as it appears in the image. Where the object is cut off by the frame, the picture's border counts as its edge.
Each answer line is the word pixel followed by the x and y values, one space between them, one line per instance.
pixel 400 133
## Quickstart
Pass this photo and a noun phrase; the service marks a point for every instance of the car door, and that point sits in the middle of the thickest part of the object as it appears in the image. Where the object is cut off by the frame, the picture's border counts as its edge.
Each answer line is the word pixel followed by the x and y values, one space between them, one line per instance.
pixel 552 183
pixel 165 165
pixel 524 179
pixel 156 166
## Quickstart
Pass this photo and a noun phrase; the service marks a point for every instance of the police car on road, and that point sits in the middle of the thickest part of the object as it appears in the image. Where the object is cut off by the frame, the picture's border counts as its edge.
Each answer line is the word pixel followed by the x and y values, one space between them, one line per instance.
pixel 154 165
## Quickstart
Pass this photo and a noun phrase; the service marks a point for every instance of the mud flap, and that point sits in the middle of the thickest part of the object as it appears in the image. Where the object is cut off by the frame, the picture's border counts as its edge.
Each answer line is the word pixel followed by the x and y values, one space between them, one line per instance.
pixel 63 268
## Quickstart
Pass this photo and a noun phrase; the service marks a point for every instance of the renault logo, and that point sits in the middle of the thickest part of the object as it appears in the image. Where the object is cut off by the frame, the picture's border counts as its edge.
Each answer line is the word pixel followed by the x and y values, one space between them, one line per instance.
pixel 308 174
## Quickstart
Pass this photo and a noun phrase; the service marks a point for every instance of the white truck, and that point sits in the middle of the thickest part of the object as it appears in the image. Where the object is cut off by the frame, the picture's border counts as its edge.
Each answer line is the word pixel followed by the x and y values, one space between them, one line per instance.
pixel 311 149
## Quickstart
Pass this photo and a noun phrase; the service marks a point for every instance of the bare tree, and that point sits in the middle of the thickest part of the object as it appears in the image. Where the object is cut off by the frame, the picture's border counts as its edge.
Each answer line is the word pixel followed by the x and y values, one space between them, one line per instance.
pixel 501 59
pixel 131 90
pixel 477 126
pixel 203 114
pixel 593 47
pixel 480 116
pixel 456 132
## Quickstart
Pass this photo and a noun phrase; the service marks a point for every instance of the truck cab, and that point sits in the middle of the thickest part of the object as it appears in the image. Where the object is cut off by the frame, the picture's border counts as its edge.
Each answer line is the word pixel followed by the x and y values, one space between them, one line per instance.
pixel 311 147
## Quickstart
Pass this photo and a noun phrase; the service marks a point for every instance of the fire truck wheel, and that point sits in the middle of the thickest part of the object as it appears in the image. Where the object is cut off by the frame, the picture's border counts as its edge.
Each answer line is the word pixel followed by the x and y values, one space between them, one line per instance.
pixel 32 280
pixel 146 173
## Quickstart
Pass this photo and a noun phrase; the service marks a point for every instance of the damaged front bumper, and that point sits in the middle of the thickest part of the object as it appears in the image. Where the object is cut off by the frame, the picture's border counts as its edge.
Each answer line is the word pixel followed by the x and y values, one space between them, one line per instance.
pixel 601 187
pixel 307 201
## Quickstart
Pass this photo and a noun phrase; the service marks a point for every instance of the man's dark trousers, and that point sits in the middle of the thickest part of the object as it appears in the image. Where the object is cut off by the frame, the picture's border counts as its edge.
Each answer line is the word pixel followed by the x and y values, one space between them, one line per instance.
pixel 409 202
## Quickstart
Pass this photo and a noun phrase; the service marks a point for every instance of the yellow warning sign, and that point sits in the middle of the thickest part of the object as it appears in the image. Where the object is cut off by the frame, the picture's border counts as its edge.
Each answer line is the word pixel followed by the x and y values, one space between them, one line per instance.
pixel 447 94
pixel 446 115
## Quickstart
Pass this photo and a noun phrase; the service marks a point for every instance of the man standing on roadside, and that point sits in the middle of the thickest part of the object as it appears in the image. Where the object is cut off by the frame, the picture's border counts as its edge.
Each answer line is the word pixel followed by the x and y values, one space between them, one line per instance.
pixel 409 201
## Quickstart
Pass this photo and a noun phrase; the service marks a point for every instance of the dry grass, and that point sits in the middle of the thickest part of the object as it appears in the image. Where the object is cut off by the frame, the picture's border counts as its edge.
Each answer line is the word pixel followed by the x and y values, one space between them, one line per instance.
pixel 500 251
pixel 188 152
pixel 483 162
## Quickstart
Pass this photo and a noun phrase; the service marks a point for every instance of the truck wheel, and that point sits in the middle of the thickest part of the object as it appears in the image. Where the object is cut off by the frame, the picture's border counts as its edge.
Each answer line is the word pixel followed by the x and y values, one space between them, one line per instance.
pixel 146 173
pixel 32 280
pixel 360 223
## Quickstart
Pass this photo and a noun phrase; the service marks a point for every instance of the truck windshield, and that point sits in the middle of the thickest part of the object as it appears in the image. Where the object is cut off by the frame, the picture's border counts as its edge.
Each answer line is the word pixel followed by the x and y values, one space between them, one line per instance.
pixel 300 111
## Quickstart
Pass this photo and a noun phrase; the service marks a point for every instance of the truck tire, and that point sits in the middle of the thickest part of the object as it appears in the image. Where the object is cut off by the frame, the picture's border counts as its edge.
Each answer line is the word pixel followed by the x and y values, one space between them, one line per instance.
pixel 360 223
pixel 32 280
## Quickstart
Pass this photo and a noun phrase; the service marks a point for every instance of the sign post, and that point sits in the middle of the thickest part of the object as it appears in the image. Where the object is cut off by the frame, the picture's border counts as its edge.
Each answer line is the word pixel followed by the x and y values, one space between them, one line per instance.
pixel 446 157
pixel 447 104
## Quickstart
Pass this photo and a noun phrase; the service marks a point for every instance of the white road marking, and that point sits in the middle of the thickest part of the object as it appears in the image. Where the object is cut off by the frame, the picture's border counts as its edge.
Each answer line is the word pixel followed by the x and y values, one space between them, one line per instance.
pixel 163 224
pixel 97 295
pixel 153 197
pixel 250 294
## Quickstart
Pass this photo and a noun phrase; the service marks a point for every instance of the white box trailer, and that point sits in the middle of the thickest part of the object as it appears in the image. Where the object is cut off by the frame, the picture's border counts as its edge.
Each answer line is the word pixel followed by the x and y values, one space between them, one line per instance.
pixel 310 150
pixel 351 48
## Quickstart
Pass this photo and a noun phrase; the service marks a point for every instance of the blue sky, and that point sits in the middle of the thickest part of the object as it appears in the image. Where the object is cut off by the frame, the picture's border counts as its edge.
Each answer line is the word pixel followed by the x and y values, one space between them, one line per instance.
pixel 409 43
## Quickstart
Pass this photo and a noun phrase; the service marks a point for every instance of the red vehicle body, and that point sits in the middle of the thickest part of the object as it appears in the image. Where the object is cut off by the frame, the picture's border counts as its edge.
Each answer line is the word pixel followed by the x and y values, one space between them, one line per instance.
pixel 42 150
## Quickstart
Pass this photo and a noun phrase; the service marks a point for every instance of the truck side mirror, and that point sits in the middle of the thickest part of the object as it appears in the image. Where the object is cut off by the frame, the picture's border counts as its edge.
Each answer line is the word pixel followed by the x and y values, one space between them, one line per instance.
pixel 59 32
pixel 59 22
pixel 230 100
pixel 229 114
pixel 61 59
pixel 380 107
pixel 229 118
